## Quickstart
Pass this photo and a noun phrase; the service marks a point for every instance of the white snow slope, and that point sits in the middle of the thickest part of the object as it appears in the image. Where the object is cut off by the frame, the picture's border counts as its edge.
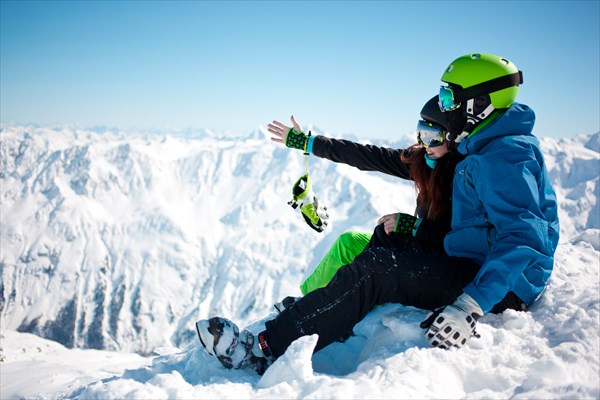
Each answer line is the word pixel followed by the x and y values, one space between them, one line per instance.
pixel 119 242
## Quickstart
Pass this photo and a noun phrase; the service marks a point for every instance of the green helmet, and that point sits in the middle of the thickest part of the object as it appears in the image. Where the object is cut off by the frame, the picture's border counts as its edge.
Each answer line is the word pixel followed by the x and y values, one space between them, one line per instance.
pixel 481 74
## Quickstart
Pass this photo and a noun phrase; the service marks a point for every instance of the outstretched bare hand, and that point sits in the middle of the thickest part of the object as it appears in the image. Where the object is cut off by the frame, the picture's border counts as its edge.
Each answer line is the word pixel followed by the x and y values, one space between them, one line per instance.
pixel 279 130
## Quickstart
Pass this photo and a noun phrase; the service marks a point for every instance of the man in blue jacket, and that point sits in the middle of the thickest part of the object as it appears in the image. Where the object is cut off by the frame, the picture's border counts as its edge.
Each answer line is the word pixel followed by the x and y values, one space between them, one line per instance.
pixel 499 252
pixel 504 215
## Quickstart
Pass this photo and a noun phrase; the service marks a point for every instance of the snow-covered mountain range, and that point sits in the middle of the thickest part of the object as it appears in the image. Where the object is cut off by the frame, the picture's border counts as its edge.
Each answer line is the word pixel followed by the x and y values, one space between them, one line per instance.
pixel 121 241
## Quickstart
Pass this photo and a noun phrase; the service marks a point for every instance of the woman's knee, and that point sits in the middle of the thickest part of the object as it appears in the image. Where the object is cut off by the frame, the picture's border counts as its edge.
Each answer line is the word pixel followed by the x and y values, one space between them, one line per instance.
pixel 379 260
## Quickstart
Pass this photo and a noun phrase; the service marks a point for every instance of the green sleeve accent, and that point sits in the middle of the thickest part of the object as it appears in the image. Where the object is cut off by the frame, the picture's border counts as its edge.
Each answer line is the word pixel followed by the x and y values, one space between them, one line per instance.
pixel 347 246
pixel 405 224
pixel 296 140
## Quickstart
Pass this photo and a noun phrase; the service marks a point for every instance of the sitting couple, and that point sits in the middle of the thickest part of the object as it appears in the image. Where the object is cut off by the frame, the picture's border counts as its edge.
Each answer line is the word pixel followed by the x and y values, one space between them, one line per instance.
pixel 482 238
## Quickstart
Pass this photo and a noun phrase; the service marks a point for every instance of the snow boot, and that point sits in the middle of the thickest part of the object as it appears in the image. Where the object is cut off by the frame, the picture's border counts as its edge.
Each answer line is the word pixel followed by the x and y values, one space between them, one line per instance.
pixel 234 349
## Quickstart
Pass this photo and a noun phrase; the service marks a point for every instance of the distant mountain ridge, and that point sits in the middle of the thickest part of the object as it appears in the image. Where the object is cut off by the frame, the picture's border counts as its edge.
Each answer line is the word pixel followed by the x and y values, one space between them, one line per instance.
pixel 118 241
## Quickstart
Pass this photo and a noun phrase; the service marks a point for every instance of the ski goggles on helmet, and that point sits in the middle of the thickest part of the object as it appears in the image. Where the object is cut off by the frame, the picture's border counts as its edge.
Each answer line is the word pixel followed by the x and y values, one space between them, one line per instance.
pixel 447 100
pixel 450 98
pixel 430 134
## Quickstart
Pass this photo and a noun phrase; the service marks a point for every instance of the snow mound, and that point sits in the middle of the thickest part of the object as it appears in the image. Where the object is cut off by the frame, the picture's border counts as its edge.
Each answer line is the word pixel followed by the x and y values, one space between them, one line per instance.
pixel 550 352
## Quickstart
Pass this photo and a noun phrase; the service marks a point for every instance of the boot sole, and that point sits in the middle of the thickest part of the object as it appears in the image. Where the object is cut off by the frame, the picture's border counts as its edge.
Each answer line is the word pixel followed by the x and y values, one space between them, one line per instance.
pixel 198 330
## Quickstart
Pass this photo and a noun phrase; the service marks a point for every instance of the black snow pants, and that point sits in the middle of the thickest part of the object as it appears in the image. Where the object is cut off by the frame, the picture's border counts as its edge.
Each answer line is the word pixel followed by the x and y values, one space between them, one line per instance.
pixel 377 276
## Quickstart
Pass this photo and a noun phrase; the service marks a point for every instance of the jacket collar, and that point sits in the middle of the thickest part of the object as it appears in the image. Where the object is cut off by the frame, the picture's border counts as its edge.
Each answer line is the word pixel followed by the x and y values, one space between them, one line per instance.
pixel 517 120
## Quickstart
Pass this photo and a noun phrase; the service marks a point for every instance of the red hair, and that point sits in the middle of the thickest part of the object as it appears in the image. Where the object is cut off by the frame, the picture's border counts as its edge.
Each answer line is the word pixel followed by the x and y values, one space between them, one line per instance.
pixel 433 185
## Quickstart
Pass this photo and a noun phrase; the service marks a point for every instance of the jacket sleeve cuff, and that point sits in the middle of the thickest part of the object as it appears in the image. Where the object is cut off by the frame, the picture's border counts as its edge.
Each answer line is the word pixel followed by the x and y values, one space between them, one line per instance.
pixel 476 295
pixel 309 145
pixel 417 224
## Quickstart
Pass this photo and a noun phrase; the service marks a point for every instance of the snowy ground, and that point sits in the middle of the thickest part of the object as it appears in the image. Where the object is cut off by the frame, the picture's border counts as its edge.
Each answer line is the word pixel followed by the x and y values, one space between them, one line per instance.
pixel 138 280
pixel 553 351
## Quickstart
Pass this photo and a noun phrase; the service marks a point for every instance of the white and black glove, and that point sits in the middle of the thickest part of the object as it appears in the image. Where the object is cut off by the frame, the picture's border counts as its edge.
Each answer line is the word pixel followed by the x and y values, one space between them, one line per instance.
pixel 453 325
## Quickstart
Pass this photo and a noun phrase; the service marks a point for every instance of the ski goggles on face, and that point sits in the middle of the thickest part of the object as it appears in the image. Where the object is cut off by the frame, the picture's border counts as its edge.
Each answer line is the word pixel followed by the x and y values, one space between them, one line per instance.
pixel 446 99
pixel 430 134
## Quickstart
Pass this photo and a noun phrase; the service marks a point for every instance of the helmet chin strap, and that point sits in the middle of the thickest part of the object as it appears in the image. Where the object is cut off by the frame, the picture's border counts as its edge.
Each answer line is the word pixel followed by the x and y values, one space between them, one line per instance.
pixel 473 120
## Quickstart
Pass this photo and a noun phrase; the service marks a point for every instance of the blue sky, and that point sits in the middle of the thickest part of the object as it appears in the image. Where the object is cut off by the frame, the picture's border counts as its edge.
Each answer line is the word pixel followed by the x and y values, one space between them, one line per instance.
pixel 346 66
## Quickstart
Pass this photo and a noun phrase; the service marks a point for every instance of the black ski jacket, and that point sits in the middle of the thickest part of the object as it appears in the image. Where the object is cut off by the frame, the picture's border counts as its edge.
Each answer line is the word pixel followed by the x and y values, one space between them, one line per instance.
pixel 386 160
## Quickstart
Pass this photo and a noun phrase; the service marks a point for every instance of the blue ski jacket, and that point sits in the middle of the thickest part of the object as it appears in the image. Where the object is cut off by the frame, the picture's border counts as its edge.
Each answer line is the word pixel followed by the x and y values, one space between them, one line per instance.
pixel 504 214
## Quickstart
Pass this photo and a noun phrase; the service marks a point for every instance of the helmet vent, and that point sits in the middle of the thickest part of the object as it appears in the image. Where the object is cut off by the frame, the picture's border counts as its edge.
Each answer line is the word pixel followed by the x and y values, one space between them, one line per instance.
pixel 505 61
pixel 450 68
pixel 475 56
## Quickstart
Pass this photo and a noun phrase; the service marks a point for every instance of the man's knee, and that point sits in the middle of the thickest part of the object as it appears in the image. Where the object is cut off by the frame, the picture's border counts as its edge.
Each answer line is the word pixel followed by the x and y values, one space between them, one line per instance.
pixel 349 244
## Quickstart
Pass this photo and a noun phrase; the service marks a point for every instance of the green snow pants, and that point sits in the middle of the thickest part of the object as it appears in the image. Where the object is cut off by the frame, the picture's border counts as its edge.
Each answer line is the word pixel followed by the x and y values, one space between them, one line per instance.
pixel 347 246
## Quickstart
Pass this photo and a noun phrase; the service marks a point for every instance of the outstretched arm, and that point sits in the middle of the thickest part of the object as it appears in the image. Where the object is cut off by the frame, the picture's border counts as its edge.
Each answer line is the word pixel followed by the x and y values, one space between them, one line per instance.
pixel 363 157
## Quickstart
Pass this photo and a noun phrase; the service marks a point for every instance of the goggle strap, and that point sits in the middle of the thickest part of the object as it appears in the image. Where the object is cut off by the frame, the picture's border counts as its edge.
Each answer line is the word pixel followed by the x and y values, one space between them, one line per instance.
pixel 491 86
